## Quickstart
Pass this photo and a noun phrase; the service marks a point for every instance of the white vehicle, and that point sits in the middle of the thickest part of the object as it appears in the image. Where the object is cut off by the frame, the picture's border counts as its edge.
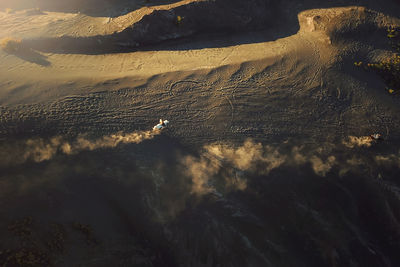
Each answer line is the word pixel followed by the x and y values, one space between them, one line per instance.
pixel 161 125
pixel 376 136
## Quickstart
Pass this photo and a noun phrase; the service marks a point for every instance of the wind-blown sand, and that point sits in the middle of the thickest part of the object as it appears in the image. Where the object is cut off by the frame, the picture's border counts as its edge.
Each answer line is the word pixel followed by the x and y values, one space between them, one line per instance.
pixel 267 160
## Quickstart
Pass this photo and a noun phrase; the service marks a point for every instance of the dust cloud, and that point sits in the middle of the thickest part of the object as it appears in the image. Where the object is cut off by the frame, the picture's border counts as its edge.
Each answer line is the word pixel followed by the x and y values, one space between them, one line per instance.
pixel 248 156
pixel 361 141
pixel 251 157
pixel 388 160
pixel 201 171
pixel 320 167
pixel 221 165
pixel 40 149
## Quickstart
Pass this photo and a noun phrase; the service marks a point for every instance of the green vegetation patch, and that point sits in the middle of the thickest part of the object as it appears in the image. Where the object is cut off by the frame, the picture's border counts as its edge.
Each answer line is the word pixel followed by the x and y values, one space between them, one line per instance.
pixel 389 67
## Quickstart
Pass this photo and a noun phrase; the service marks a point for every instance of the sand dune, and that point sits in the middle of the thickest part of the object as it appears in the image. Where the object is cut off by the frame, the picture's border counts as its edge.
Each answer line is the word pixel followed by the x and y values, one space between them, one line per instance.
pixel 296 65
pixel 148 63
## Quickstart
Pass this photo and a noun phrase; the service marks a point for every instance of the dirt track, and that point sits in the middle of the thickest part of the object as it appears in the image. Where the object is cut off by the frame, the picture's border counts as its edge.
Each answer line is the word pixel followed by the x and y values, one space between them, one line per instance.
pixel 210 86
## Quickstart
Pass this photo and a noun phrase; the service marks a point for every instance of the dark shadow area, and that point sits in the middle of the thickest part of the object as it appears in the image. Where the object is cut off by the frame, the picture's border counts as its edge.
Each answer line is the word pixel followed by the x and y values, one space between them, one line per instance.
pixel 88 208
pixel 201 28
pixel 94 8
pixel 25 53
pixel 106 45
pixel 133 203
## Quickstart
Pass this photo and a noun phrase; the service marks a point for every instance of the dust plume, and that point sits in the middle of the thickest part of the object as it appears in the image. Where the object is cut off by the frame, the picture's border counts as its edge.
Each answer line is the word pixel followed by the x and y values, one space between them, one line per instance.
pixel 40 150
pixel 388 160
pixel 234 163
pixel 362 141
pixel 322 168
pixel 248 156
pixel 352 164
pixel 251 157
pixel 201 171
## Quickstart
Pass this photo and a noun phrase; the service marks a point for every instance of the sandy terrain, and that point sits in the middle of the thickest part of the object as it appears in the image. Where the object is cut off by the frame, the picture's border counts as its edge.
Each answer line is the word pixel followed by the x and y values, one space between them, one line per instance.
pixel 267 160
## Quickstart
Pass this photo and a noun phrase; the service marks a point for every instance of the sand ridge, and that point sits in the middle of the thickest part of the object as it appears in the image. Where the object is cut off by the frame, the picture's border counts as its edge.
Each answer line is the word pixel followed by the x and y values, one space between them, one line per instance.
pixel 144 64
